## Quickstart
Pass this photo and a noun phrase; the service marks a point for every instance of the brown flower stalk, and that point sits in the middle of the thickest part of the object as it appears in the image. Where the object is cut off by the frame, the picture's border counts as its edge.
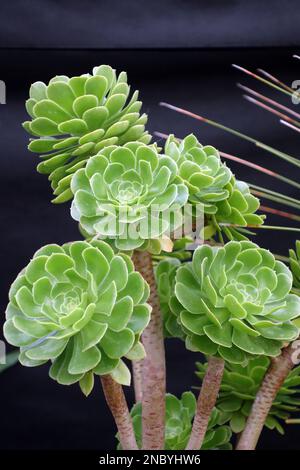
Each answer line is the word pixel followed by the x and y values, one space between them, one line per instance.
pixel 154 368
pixel 274 378
pixel 116 401
pixel 206 401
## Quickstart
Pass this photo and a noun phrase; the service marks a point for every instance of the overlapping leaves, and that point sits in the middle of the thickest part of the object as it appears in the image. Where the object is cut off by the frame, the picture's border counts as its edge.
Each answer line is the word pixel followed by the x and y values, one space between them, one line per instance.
pixel 165 274
pixel 238 209
pixel 74 118
pixel 130 194
pixel 295 264
pixel 202 170
pixel 240 386
pixel 83 308
pixel 212 185
pixel 234 302
pixel 179 417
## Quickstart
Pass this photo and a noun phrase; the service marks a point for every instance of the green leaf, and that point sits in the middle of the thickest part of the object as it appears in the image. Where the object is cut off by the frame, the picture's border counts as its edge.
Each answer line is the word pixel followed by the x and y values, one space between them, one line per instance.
pixel 137 352
pixel 87 383
pixel 50 110
pixel 121 374
pixel 83 103
pixel 117 344
pixel 106 364
pixel 44 127
pixel 83 361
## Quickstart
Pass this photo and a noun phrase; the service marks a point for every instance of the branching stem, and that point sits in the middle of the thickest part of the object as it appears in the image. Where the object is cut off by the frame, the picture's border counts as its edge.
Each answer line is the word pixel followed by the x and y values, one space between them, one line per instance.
pixel 274 378
pixel 154 368
pixel 116 401
pixel 206 401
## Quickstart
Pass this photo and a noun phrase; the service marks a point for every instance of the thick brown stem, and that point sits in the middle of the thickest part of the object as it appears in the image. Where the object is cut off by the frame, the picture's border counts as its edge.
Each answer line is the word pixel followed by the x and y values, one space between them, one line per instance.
pixel 116 401
pixel 154 368
pixel 137 369
pixel 206 401
pixel 274 378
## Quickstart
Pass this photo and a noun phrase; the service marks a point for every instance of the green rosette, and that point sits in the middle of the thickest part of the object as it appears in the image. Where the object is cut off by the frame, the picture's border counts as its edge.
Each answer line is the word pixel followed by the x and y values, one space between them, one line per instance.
pixel 234 302
pixel 238 209
pixel 83 308
pixel 201 169
pixel 238 392
pixel 179 416
pixel 130 195
pixel 73 118
pixel 214 189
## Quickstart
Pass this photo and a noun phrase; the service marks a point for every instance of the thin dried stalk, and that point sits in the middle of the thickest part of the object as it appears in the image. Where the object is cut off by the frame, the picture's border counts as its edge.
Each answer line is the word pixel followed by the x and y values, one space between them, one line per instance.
pixel 268 148
pixel 272 110
pixel 274 196
pixel 263 227
pixel 274 378
pixel 275 80
pixel 154 367
pixel 269 100
pixel 263 80
pixel 116 401
pixel 288 124
pixel 272 210
pixel 206 401
pixel 137 369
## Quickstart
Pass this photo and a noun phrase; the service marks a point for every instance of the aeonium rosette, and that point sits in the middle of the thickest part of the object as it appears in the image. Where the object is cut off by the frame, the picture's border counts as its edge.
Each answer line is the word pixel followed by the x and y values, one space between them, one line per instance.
pixel 83 308
pixel 224 200
pixel 74 117
pixel 234 302
pixel 239 388
pixel 131 195
pixel 201 169
pixel 238 210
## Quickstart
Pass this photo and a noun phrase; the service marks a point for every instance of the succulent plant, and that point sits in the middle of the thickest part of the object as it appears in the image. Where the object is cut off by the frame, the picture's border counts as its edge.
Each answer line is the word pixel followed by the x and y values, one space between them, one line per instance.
pixel 165 274
pixel 240 386
pixel 238 209
pixel 201 169
pixel 212 184
pixel 295 264
pixel 80 306
pixel 179 417
pixel 234 302
pixel 126 194
pixel 73 118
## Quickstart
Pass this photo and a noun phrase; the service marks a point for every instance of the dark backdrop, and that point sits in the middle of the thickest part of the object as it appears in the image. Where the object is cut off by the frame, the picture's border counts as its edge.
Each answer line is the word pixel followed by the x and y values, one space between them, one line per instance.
pixel 41 39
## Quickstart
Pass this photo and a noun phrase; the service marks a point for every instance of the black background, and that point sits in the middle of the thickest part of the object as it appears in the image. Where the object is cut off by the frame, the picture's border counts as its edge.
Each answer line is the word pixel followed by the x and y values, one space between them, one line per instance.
pixel 173 51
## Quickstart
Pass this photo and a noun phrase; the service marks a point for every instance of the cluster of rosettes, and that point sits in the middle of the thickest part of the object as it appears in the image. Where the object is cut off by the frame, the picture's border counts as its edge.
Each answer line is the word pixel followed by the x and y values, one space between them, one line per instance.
pixel 130 195
pixel 224 199
pixel 179 416
pixel 83 308
pixel 74 118
pixel 239 388
pixel 234 302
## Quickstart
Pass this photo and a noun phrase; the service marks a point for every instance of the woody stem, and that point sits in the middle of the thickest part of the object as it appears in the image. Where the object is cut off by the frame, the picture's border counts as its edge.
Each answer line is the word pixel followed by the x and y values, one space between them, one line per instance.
pixel 154 368
pixel 116 401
